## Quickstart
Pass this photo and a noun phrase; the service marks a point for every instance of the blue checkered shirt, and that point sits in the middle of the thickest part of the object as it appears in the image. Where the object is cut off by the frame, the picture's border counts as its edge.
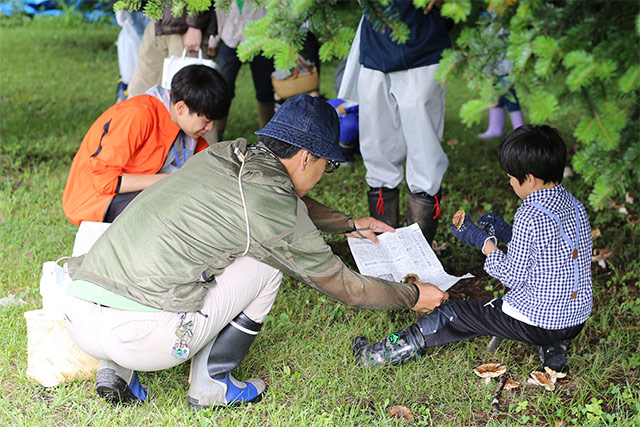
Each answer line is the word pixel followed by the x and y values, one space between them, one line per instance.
pixel 538 266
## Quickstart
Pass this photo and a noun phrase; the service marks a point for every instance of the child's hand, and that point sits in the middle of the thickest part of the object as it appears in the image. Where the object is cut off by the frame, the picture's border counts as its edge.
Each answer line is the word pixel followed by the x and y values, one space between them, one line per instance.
pixel 493 224
pixel 471 234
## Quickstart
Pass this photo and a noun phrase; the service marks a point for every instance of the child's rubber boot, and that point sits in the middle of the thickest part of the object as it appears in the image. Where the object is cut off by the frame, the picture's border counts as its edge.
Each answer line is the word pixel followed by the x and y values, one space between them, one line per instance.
pixel 497 118
pixel 517 119
pixel 554 356
pixel 399 347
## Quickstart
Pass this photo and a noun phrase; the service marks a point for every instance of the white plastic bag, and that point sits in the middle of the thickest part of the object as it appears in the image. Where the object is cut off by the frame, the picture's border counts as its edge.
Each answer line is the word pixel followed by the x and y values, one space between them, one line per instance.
pixel 349 85
pixel 173 64
pixel 128 43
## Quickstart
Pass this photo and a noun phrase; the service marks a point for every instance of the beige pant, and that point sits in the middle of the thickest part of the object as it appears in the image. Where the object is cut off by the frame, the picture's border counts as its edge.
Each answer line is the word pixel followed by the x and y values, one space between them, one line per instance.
pixel 153 49
pixel 144 340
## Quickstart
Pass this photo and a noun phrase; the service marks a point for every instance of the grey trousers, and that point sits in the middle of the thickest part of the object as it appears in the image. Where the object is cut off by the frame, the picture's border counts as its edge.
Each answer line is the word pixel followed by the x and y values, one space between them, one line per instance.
pixel 402 118
pixel 143 340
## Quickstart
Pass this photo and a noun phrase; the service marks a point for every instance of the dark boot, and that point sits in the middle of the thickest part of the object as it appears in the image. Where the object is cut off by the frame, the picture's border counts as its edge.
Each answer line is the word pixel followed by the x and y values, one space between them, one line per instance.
pixel 119 385
pixel 397 348
pixel 384 204
pixel 425 210
pixel 266 110
pixel 555 356
pixel 211 382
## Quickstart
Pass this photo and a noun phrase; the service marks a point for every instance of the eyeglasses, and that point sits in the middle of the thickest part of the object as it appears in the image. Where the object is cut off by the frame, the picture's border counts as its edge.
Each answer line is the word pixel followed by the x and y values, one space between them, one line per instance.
pixel 332 166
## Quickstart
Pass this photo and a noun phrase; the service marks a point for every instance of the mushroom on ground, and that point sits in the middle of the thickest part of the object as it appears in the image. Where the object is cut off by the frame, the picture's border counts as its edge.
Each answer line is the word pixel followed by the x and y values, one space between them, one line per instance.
pixel 541 379
pixel 490 370
pixel 553 375
pixel 511 384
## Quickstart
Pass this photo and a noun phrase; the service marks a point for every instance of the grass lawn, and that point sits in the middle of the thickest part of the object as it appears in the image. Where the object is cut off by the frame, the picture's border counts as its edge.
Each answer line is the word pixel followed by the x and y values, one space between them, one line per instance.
pixel 56 78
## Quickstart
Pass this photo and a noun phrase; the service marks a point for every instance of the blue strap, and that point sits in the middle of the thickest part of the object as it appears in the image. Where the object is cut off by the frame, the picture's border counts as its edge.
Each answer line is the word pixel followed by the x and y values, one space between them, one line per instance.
pixel 184 153
pixel 573 244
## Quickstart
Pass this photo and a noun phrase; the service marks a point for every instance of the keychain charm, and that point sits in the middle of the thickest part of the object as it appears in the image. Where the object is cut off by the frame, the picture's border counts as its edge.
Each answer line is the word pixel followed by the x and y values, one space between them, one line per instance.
pixel 181 350
pixel 183 333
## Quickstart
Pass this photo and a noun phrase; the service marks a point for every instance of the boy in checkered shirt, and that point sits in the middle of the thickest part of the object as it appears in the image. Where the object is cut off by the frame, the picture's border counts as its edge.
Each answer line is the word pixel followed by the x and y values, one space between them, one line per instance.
pixel 547 266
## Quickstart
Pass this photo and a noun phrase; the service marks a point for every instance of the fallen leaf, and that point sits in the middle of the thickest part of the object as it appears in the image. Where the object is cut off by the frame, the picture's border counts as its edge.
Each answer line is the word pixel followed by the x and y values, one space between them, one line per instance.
pixel 10 300
pixel 561 423
pixel 30 255
pixel 595 234
pixel 401 412
pixel 439 248
pixel 629 198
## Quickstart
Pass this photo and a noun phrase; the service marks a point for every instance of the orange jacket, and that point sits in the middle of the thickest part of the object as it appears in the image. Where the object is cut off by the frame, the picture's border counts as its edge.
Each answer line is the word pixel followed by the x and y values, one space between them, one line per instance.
pixel 133 136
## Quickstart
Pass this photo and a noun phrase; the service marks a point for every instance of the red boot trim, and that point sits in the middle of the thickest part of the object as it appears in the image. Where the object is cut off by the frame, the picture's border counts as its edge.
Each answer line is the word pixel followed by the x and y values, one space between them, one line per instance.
pixel 380 203
pixel 436 207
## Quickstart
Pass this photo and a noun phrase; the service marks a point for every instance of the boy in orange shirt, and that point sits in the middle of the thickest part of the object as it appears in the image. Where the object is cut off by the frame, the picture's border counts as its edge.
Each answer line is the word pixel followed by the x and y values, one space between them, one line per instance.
pixel 140 140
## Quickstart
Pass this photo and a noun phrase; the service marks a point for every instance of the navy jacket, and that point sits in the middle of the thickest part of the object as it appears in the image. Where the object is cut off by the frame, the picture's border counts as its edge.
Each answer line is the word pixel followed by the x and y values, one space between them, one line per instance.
pixel 427 40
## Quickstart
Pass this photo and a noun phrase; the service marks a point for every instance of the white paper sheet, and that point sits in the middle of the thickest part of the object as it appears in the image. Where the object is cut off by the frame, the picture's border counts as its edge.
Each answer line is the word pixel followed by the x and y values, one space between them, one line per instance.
pixel 87 235
pixel 400 253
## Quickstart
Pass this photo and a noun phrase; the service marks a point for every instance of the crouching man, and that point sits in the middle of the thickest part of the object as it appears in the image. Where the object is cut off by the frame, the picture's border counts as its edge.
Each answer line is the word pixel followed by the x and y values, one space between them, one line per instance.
pixel 191 269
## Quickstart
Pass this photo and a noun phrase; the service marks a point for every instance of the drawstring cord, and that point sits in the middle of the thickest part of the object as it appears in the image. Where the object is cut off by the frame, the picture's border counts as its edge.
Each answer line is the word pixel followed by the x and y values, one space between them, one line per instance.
pixel 380 203
pixel 241 157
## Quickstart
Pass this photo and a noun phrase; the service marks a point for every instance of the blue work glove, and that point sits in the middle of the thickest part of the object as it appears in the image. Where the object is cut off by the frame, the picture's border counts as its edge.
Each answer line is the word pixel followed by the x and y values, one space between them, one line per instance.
pixel 471 234
pixel 493 224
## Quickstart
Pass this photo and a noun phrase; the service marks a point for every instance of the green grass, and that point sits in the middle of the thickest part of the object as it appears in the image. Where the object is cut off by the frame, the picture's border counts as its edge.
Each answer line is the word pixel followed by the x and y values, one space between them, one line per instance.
pixel 55 79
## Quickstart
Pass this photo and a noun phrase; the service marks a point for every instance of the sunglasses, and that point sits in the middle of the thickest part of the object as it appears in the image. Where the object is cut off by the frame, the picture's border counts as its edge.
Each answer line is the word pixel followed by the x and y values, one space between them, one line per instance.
pixel 332 166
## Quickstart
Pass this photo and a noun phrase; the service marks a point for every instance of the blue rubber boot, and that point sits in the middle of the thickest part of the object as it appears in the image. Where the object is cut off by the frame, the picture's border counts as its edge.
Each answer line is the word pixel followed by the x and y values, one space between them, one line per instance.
pixel 211 382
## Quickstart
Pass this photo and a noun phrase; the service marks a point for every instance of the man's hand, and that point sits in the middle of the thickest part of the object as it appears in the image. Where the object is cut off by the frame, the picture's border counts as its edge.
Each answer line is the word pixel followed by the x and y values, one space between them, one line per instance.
pixel 430 297
pixel 471 234
pixel 192 39
pixel 493 224
pixel 366 228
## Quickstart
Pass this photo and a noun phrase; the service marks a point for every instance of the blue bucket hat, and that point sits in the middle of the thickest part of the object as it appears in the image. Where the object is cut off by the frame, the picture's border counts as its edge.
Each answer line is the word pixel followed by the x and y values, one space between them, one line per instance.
pixel 309 123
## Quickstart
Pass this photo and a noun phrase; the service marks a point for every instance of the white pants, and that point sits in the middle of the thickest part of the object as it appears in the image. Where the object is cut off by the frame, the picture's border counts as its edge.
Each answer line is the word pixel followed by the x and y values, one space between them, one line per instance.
pixel 402 118
pixel 144 340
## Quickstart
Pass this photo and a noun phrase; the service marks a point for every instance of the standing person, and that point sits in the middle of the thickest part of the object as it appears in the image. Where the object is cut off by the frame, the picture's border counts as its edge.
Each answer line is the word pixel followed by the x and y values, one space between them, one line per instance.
pixel 402 108
pixel 501 70
pixel 128 43
pixel 547 267
pixel 169 37
pixel 191 269
pixel 140 140
pixel 230 34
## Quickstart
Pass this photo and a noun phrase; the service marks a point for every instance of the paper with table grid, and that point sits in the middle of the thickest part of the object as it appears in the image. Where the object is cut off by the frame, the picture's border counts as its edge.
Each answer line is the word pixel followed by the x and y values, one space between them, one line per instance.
pixel 400 253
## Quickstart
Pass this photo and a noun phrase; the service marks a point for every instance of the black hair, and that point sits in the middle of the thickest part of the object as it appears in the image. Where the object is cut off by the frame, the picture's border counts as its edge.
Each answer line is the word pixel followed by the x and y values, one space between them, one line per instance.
pixel 203 90
pixel 282 149
pixel 536 150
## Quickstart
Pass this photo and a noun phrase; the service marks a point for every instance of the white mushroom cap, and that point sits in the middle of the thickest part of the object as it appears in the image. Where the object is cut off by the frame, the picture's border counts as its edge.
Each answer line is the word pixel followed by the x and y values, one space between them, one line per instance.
pixel 490 370
pixel 511 384
pixel 541 379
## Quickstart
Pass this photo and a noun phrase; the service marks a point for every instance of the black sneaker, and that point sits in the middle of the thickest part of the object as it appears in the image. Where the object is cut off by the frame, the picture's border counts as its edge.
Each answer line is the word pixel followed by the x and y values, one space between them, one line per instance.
pixel 555 356
pixel 114 389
